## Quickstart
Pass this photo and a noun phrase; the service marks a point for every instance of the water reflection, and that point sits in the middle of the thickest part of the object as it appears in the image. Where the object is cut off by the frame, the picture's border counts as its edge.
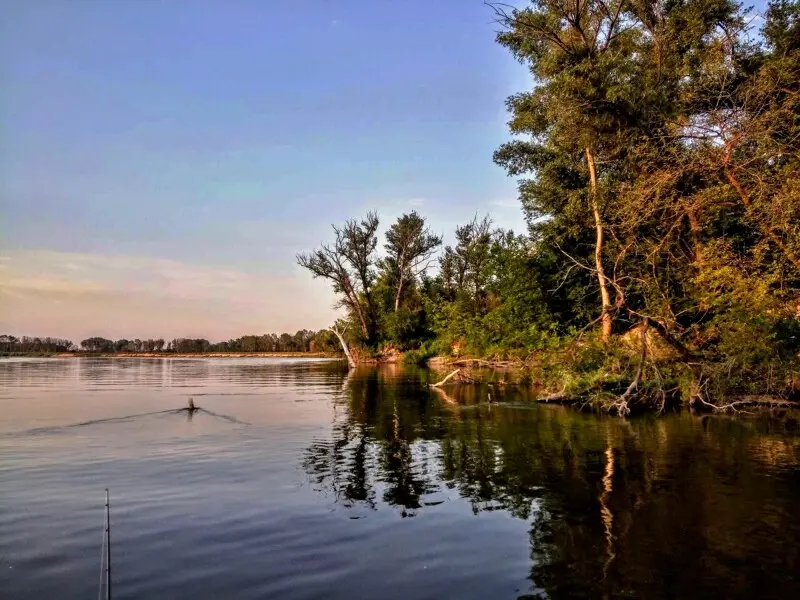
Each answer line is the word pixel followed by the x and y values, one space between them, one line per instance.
pixel 124 373
pixel 414 493
pixel 677 507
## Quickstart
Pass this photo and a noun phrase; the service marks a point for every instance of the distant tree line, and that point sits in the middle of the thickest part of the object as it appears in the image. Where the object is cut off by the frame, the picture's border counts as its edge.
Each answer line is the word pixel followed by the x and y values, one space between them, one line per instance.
pixel 100 344
pixel 26 344
pixel 302 341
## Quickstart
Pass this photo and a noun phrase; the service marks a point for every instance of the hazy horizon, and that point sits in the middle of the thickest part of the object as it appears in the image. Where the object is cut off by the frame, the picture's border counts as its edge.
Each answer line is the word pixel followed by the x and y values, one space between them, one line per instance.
pixel 162 166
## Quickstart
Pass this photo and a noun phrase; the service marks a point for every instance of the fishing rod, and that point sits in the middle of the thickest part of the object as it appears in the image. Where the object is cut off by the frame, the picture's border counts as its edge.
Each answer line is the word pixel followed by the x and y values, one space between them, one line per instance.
pixel 105 555
pixel 108 548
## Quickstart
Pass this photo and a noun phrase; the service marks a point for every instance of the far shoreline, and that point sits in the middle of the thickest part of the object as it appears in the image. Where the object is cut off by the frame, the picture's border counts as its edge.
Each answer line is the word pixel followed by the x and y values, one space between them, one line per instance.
pixel 331 355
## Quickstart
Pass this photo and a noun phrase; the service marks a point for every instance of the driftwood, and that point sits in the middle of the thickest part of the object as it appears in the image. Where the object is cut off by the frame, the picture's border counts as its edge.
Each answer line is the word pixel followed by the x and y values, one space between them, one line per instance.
pixel 443 381
pixel 752 401
pixel 350 361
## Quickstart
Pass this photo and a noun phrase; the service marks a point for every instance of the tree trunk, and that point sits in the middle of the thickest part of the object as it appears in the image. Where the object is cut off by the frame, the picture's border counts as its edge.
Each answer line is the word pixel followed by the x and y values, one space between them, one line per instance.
pixel 369 320
pixel 397 295
pixel 605 315
pixel 400 272
pixel 350 362
pixel 694 226
pixel 363 321
pixel 355 306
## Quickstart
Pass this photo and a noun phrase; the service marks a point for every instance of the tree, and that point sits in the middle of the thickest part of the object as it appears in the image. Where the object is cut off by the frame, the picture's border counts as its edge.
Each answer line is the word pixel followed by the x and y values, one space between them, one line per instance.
pixel 8 343
pixel 610 75
pixel 286 343
pixel 463 267
pixel 324 341
pixel 572 48
pixel 746 131
pixel 349 263
pixel 410 245
pixel 97 344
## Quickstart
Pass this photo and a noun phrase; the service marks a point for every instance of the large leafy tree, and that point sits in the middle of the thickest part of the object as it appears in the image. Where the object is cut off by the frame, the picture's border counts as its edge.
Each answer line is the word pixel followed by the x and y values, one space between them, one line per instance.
pixel 609 76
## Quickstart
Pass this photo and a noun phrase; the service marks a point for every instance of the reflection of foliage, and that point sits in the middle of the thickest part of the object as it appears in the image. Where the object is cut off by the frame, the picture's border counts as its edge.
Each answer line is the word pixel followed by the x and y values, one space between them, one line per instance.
pixel 372 448
pixel 340 467
pixel 675 507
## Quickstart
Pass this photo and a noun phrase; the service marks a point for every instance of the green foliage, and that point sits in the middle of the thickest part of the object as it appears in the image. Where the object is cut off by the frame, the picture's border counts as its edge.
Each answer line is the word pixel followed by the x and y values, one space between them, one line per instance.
pixel 405 328
pixel 409 247
pixel 426 351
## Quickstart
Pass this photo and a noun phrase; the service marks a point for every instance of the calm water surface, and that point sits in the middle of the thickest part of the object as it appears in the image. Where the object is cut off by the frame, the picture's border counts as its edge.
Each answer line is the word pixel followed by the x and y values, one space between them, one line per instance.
pixel 305 482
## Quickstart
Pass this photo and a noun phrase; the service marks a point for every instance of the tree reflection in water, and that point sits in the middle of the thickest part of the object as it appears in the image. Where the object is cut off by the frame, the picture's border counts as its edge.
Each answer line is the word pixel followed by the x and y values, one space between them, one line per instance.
pixel 674 507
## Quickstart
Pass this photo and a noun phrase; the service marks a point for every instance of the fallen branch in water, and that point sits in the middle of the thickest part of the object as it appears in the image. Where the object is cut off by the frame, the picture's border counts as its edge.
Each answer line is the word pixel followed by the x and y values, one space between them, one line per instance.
pixel 443 381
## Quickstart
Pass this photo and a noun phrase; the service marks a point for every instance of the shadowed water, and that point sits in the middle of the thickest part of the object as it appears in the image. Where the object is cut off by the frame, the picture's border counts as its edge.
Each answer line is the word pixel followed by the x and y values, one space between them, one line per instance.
pixel 297 480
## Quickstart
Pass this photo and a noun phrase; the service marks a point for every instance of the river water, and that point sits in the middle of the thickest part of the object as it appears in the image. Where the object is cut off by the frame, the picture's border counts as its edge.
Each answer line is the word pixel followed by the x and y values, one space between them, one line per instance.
pixel 299 480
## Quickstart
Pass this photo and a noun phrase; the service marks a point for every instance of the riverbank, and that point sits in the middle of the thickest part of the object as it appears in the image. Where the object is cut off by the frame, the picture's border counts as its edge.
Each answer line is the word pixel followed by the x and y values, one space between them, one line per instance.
pixel 620 387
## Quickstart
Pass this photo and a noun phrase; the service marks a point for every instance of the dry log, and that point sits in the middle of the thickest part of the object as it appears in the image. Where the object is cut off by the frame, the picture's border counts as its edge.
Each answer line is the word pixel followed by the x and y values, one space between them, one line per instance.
pixel 350 362
pixel 443 381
